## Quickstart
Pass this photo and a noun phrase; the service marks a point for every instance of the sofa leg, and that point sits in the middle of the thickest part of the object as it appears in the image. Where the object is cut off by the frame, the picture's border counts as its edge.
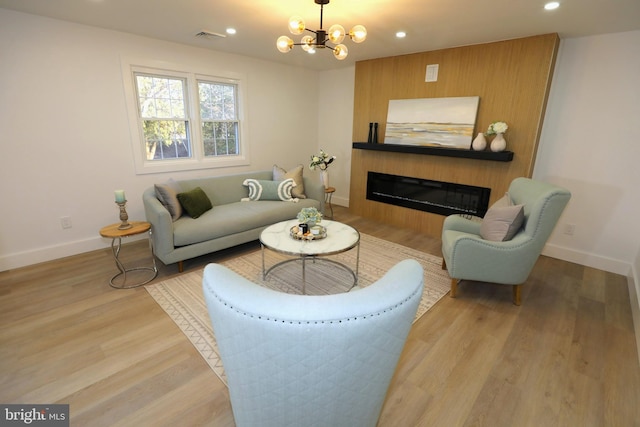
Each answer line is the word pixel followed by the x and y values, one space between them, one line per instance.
pixel 517 294
pixel 180 267
pixel 444 264
pixel 454 288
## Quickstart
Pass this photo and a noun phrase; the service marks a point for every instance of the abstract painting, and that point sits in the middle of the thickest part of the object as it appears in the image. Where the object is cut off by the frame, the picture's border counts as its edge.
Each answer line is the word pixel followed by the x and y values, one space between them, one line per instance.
pixel 436 122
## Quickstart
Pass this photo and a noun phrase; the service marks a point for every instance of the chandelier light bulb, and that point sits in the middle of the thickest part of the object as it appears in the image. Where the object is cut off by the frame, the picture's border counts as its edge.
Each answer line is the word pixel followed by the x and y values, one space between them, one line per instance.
pixel 296 25
pixel 340 52
pixel 358 34
pixel 284 44
pixel 307 43
pixel 336 33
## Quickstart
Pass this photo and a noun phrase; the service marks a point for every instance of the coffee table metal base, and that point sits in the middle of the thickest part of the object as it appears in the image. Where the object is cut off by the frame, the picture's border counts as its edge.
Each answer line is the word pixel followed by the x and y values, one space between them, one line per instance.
pixel 314 258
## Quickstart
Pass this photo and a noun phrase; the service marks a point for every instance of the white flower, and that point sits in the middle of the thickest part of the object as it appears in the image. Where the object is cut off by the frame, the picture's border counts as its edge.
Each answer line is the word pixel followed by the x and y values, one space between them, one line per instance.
pixel 497 127
pixel 322 160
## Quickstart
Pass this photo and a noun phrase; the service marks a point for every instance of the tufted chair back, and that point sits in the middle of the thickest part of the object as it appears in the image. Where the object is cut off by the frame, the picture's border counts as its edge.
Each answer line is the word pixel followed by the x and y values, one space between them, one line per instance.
pixel 297 360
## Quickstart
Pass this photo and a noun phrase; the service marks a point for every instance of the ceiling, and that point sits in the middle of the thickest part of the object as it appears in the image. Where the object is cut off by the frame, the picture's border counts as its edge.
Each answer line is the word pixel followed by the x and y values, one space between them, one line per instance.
pixel 429 24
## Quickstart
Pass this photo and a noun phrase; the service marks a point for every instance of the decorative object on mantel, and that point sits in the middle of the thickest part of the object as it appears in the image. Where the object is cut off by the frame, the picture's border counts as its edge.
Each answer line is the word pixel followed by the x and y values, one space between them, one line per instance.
pixel 498 129
pixel 373 133
pixel 335 35
pixel 479 143
pixel 121 201
pixel 322 162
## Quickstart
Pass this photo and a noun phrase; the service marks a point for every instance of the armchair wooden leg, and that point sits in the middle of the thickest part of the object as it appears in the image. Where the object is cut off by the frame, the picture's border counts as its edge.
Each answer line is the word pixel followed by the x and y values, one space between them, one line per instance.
pixel 517 294
pixel 454 288
pixel 444 264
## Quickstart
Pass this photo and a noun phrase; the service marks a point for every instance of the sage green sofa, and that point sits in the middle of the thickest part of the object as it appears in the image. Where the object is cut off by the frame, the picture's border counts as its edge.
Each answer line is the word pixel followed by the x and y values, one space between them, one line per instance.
pixel 229 223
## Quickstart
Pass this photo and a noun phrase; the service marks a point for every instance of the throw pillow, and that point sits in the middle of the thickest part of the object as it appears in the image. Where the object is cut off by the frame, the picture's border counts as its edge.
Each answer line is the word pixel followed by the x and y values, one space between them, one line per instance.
pixel 195 202
pixel 502 223
pixel 167 194
pixel 269 190
pixel 280 174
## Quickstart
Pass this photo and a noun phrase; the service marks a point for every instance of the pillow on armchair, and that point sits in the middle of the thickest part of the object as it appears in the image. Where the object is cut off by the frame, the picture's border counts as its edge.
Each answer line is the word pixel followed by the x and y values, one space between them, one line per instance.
pixel 502 221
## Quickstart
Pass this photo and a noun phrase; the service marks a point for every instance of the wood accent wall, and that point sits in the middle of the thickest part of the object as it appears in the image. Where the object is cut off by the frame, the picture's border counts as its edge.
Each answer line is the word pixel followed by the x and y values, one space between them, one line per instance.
pixel 512 79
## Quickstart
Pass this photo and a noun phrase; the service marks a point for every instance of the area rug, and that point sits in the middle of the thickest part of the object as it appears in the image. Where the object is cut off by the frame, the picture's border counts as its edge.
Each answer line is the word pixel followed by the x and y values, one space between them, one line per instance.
pixel 182 299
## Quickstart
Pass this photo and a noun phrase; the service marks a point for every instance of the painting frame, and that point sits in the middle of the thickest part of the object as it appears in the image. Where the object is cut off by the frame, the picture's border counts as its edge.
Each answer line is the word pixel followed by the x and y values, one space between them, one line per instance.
pixel 432 122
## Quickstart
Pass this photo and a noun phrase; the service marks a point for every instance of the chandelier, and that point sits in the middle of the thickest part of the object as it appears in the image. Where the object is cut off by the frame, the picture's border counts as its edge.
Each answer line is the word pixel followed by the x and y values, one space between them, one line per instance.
pixel 309 43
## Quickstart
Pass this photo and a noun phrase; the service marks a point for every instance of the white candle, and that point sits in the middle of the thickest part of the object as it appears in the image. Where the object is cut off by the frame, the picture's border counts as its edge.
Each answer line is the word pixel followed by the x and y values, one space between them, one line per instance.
pixel 120 196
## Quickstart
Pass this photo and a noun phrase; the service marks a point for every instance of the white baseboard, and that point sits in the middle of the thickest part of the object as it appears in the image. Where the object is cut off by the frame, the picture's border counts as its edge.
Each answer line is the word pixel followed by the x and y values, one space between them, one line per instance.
pixel 587 259
pixel 36 256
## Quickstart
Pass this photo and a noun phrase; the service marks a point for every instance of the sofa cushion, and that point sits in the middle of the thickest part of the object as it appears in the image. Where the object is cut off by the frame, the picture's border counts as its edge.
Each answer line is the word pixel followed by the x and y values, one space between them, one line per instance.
pixel 260 189
pixel 167 194
pixel 195 202
pixel 279 174
pixel 501 223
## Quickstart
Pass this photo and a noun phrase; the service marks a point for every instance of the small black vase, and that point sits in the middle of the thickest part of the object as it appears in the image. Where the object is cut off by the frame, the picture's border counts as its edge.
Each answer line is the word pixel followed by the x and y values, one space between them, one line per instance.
pixel 375 133
pixel 370 138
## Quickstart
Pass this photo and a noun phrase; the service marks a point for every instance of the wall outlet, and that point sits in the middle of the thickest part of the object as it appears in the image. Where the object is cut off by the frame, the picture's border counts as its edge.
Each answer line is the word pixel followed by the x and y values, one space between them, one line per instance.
pixel 65 222
pixel 569 229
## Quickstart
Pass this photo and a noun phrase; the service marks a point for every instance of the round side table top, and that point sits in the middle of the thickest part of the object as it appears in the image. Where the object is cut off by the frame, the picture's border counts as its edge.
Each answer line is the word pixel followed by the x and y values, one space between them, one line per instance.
pixel 112 231
pixel 329 190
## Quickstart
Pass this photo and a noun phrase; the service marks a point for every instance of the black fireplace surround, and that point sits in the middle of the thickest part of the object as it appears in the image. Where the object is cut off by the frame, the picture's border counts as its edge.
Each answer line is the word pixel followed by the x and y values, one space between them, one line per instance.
pixel 442 198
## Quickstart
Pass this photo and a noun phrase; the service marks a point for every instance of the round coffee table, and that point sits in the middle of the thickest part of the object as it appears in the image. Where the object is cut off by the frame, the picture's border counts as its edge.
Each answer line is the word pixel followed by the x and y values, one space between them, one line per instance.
pixel 340 238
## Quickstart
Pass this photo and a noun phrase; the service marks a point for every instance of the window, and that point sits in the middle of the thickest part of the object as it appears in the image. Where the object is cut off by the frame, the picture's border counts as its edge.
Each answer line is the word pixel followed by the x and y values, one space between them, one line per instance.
pixel 163 114
pixel 219 120
pixel 184 120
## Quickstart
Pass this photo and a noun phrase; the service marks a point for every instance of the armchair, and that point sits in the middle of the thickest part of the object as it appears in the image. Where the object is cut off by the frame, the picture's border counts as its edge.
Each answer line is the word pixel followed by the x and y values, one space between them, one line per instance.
pixel 295 360
pixel 467 256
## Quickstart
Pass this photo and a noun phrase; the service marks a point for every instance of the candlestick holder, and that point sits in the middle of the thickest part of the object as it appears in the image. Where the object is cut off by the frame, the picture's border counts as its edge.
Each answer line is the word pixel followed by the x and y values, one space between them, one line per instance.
pixel 124 217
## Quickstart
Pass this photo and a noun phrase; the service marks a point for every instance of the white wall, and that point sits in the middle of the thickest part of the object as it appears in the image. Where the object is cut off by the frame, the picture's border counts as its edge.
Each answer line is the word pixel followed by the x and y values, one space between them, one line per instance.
pixel 64 134
pixel 589 144
pixel 335 127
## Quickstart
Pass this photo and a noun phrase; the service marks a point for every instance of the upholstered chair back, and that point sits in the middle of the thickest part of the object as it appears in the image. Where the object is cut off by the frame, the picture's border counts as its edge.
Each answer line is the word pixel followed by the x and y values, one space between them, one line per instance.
pixel 295 360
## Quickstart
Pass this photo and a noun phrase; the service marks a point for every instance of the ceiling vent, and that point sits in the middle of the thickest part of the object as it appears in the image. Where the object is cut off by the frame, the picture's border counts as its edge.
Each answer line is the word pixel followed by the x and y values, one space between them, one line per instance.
pixel 210 35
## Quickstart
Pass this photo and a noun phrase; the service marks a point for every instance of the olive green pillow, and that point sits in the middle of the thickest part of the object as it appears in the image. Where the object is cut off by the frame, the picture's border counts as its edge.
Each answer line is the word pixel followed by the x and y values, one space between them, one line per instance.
pixel 195 202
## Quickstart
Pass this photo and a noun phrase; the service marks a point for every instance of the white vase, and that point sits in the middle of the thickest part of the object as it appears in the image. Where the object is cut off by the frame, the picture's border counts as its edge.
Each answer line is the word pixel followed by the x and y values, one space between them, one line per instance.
pixel 479 143
pixel 324 177
pixel 498 143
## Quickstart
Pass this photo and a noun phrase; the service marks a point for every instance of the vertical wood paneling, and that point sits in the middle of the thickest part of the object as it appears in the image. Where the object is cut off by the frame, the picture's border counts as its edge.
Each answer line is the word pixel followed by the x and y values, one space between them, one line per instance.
pixel 512 79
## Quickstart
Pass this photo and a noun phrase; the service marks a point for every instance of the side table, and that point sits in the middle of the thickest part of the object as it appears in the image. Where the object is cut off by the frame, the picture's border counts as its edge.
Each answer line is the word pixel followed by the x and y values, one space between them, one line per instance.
pixel 112 232
pixel 328 193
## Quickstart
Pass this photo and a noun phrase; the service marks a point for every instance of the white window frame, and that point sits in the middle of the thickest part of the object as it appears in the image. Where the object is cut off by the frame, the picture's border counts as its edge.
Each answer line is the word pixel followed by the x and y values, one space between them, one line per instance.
pixel 198 160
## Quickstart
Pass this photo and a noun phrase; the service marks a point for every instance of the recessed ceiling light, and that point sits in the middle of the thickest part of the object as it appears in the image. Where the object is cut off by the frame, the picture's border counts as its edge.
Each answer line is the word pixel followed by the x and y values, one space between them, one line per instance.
pixel 401 34
pixel 231 30
pixel 552 5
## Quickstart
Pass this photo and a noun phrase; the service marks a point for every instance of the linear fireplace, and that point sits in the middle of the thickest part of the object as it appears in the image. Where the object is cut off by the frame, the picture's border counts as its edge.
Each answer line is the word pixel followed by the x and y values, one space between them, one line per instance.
pixel 443 198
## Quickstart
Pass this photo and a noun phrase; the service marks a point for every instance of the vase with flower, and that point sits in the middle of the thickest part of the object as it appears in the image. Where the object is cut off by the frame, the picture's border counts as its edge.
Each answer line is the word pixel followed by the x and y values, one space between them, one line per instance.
pixel 498 129
pixel 322 161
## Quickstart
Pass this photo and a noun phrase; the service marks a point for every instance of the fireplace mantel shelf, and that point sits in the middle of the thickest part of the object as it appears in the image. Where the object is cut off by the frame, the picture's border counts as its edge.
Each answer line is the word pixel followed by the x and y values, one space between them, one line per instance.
pixel 503 156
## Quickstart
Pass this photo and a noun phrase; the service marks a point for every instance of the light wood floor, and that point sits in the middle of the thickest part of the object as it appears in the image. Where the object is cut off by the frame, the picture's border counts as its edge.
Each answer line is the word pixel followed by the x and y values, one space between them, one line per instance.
pixel 566 357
